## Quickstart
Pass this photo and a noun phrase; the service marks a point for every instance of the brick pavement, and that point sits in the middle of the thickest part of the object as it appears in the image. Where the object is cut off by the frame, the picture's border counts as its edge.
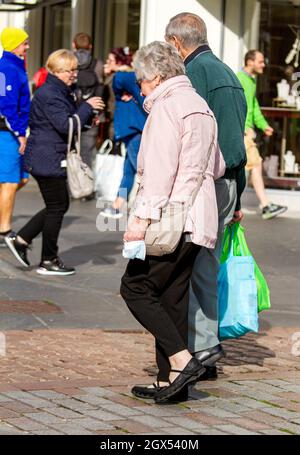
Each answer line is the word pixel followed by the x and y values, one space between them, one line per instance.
pixel 78 381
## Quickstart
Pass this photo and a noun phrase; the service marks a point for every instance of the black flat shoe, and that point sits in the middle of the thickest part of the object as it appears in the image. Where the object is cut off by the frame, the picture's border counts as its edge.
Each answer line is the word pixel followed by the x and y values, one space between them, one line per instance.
pixel 150 392
pixel 190 374
pixel 210 356
pixel 211 374
pixel 146 392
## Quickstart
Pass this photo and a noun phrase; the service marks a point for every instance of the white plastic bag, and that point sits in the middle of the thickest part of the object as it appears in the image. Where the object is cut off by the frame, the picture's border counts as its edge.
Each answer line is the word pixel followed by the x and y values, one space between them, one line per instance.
pixel 108 171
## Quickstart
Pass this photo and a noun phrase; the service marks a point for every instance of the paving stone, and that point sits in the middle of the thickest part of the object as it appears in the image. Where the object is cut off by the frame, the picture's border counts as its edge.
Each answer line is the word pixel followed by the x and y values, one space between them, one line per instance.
pixel 49 432
pixel 49 394
pixel 45 418
pixel 178 431
pixel 250 403
pixel 187 423
pixel 263 387
pixel 4 399
pixel 283 413
pixel 93 425
pixel 103 415
pixel 72 429
pixel 74 405
pixel 26 424
pixel 95 400
pixel 293 388
pixel 221 413
pixel 274 432
pixel 231 407
pixel 250 424
pixel 214 432
pixel 121 410
pixel 294 428
pixel 234 429
pixel 130 426
pixel 276 382
pixel 65 413
pixel 99 391
pixel 18 407
pixel 152 422
pixel 163 411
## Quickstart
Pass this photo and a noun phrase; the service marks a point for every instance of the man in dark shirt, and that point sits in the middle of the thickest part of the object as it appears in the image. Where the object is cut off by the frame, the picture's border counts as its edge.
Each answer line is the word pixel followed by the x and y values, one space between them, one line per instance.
pixel 218 85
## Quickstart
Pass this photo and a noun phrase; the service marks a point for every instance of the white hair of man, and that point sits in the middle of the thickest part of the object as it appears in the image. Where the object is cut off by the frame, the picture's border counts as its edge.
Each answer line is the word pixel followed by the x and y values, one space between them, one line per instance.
pixel 189 29
pixel 158 59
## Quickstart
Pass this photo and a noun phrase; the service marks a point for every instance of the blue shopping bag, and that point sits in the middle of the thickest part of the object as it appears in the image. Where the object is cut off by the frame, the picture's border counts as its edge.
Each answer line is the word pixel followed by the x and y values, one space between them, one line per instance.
pixel 237 288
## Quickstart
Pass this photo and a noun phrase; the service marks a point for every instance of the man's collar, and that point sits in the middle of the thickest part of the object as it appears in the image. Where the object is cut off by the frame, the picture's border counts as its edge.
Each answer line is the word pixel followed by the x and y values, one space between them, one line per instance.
pixel 248 74
pixel 196 52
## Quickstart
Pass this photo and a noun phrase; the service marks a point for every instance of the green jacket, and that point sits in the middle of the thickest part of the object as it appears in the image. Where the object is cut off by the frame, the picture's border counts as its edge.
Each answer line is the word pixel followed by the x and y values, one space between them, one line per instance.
pixel 219 86
pixel 255 117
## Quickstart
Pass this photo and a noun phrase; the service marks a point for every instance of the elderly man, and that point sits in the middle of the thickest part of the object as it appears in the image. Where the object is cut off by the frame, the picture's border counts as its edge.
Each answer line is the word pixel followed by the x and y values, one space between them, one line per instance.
pixel 219 86
pixel 14 117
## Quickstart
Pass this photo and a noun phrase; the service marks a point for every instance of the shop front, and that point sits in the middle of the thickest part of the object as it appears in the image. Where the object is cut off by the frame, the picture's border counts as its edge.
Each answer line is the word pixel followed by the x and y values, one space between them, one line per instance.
pixel 279 90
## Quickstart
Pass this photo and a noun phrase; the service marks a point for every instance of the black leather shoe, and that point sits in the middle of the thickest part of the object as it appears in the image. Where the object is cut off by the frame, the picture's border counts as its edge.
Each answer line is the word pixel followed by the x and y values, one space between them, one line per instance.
pixel 209 357
pixel 211 374
pixel 150 392
pixel 190 374
pixel 146 392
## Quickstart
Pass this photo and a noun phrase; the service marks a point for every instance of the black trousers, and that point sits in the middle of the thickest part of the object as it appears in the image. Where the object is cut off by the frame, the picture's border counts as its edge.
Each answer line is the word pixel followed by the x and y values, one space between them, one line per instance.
pixel 49 220
pixel 156 291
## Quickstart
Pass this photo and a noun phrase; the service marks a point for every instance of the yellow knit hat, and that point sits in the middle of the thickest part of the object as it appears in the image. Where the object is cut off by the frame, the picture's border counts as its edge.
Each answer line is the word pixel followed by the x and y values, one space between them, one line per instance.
pixel 11 38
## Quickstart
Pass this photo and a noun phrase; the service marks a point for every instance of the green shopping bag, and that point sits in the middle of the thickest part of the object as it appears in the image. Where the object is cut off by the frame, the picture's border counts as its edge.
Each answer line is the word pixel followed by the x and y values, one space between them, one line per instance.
pixel 240 248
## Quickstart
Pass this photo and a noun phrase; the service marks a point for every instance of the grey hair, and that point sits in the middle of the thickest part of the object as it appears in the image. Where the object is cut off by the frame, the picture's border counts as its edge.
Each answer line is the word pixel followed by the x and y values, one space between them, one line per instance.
pixel 189 29
pixel 158 59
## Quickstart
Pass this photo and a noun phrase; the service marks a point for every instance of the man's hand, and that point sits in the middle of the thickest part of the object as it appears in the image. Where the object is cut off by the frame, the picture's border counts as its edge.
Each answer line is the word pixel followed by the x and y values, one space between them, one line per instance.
pixel 269 131
pixel 237 217
pixel 136 230
pixel 23 141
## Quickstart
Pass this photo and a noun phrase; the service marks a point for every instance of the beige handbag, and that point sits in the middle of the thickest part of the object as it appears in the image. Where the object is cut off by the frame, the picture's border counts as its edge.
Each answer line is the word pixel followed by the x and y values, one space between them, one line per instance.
pixel 163 236
pixel 80 176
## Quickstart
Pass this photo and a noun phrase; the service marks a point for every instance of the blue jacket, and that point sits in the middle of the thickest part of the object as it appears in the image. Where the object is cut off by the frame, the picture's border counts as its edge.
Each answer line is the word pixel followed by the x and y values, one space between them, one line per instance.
pixel 129 117
pixel 15 104
pixel 52 105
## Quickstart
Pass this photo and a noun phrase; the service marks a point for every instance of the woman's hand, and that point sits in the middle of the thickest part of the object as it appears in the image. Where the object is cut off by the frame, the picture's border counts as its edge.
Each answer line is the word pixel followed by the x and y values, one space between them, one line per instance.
pixel 97 103
pixel 22 141
pixel 136 230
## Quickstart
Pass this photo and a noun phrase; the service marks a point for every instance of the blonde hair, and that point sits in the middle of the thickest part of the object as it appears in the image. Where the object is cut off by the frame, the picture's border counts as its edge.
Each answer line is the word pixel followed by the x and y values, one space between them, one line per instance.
pixel 61 60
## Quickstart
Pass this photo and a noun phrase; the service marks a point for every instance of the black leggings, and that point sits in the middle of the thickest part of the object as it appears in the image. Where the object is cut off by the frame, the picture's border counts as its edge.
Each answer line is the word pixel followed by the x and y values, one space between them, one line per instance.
pixel 157 293
pixel 49 220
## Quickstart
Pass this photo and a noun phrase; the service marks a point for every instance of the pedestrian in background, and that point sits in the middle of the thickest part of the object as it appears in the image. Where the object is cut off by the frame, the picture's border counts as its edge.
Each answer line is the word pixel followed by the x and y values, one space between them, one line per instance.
pixel 255 65
pixel 14 117
pixel 45 157
pixel 89 83
pixel 129 121
pixel 179 135
pixel 119 59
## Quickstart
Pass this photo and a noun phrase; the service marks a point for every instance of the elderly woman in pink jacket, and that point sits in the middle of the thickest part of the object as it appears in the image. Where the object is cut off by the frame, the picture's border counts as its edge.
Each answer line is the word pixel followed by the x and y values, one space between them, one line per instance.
pixel 174 150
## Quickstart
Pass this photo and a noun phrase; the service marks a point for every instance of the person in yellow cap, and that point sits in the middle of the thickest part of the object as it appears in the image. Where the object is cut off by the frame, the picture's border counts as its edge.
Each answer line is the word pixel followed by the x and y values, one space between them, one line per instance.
pixel 14 118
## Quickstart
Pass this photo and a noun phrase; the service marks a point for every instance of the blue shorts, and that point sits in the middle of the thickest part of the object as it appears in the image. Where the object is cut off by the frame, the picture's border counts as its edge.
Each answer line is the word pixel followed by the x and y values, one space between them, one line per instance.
pixel 11 162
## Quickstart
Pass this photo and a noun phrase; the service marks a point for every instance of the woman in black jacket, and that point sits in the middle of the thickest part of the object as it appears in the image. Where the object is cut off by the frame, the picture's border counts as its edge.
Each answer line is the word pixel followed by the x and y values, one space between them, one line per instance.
pixel 45 158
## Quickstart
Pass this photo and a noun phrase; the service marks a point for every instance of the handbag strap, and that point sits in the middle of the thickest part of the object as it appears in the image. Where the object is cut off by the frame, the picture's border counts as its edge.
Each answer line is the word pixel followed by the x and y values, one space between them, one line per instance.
pixel 71 134
pixel 202 173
